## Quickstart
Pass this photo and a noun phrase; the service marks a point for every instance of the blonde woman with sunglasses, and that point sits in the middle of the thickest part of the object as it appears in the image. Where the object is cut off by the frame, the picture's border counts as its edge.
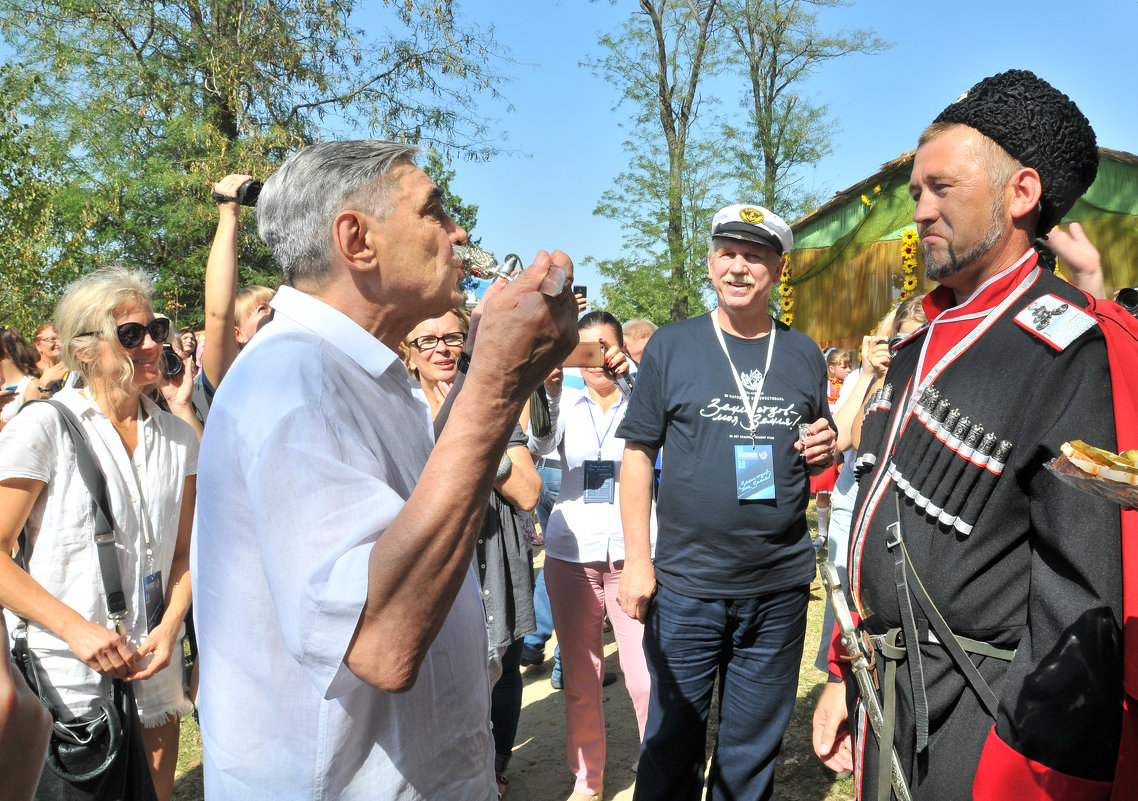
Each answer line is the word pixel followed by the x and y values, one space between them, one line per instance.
pixel 148 459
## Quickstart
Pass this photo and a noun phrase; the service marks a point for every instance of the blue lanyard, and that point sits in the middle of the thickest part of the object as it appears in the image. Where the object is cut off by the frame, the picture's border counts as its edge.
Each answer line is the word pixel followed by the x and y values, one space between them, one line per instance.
pixel 601 437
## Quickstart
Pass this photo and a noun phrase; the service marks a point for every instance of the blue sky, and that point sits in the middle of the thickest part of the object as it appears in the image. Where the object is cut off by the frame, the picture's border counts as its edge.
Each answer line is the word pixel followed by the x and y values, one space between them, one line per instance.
pixel 569 136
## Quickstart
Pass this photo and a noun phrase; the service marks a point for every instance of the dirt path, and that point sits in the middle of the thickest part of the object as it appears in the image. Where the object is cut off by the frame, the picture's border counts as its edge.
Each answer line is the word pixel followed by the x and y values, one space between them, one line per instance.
pixel 538 769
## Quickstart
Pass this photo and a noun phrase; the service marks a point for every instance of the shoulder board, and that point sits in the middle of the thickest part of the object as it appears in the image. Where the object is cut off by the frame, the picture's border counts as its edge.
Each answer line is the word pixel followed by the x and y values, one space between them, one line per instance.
pixel 1056 321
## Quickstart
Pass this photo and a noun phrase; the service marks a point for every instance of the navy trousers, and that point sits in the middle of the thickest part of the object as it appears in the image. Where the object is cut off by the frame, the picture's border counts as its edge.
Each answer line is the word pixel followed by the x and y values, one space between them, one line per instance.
pixel 753 646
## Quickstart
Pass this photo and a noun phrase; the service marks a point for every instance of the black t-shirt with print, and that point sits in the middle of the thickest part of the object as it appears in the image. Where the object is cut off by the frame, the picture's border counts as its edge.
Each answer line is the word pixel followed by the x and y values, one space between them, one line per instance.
pixel 711 544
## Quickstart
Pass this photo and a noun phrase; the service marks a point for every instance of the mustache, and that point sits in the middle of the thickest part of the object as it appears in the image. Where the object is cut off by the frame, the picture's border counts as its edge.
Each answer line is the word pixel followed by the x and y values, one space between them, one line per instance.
pixel 745 279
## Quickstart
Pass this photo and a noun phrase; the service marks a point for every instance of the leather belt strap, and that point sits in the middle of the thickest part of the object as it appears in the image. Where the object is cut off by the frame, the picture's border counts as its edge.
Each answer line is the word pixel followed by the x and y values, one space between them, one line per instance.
pixel 905 643
pixel 909 625
pixel 952 644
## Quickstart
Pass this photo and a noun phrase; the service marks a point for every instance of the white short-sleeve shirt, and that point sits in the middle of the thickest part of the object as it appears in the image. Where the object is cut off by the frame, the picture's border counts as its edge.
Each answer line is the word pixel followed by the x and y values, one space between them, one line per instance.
pixel 314 444
pixel 145 493
pixel 579 531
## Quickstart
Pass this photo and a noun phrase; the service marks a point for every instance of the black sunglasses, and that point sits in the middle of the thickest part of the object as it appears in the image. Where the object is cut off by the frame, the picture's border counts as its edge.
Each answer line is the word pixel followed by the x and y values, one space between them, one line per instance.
pixel 131 334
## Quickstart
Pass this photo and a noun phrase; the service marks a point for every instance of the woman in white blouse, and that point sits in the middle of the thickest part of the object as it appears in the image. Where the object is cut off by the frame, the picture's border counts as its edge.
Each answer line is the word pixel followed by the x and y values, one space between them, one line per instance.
pixel 584 554
pixel 18 372
pixel 149 460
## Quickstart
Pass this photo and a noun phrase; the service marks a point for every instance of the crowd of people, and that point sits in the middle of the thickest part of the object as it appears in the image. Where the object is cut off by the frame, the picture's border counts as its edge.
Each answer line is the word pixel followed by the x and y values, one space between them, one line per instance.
pixel 351 472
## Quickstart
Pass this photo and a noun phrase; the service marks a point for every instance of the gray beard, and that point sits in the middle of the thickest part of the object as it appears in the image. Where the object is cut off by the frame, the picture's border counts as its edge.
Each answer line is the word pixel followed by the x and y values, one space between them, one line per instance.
pixel 952 264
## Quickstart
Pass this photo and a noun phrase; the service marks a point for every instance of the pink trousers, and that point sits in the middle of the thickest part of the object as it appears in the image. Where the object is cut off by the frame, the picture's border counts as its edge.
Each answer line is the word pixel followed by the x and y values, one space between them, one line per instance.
pixel 579 594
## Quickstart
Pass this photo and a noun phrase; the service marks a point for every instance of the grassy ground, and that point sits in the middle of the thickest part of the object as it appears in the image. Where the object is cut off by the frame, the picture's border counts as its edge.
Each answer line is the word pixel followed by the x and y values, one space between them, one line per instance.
pixel 799 776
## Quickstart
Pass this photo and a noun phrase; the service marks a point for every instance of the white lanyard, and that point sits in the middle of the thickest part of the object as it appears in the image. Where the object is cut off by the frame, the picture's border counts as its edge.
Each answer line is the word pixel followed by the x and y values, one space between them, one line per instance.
pixel 749 406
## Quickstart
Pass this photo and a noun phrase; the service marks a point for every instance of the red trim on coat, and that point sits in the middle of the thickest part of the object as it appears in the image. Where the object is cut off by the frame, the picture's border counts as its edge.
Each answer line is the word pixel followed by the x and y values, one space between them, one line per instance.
pixel 1007 775
pixel 1121 332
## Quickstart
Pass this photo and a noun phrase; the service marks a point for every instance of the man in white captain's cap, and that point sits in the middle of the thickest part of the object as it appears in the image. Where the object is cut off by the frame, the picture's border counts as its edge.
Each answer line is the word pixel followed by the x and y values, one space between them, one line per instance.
pixel 741 402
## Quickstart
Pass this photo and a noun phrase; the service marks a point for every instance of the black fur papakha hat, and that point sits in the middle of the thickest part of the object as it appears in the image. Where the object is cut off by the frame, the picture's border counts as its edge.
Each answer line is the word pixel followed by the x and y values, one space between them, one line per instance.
pixel 1041 128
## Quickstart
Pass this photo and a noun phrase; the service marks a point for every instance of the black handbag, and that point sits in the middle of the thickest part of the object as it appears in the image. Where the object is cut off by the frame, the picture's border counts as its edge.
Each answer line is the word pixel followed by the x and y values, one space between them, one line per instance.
pixel 101 756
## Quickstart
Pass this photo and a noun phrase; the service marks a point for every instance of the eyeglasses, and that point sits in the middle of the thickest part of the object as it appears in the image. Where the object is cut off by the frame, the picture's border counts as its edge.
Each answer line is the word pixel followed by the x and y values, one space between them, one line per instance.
pixel 46 339
pixel 131 335
pixel 455 339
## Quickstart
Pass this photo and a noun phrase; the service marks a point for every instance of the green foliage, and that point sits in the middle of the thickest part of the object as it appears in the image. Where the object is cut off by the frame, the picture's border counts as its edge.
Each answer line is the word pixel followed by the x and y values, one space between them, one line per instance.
pixel 777 45
pixel 657 60
pixel 683 163
pixel 138 108
pixel 34 252
pixel 645 283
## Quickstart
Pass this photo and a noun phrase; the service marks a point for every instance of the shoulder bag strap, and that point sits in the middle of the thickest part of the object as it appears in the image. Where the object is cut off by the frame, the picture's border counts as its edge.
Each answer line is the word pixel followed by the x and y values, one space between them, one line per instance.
pixel 104 520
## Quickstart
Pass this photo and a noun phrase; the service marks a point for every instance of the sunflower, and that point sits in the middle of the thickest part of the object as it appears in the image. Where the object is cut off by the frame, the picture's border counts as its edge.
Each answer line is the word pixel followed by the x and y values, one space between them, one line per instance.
pixel 785 290
pixel 787 318
pixel 787 304
pixel 910 283
pixel 907 250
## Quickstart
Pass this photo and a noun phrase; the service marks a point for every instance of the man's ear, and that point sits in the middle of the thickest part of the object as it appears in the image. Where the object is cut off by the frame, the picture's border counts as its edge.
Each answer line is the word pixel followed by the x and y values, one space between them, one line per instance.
pixel 353 237
pixel 1023 193
pixel 779 270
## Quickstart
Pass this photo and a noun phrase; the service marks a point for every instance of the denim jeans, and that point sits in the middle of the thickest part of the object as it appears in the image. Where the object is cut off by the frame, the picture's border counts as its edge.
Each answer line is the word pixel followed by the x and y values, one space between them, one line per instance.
pixel 550 489
pixel 753 647
pixel 535 642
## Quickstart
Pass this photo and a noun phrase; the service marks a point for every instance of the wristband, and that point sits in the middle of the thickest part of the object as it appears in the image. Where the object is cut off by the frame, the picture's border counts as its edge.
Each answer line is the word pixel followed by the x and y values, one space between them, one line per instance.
pixel 504 468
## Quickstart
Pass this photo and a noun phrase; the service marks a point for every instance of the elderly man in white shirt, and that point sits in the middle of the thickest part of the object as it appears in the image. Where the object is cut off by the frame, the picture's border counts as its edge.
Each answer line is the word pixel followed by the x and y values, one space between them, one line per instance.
pixel 343 649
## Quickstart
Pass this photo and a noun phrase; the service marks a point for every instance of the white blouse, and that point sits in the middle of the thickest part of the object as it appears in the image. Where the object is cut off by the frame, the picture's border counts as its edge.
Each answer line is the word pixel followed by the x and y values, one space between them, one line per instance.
pixel 146 498
pixel 13 406
pixel 578 531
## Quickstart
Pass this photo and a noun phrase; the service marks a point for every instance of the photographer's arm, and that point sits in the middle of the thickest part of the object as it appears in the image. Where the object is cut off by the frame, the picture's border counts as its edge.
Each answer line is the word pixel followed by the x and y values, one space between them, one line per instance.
pixel 221 285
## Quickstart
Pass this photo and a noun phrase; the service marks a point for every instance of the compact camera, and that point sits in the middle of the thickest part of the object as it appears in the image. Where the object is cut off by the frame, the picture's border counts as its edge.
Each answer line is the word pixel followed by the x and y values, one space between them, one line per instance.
pixel 246 194
pixel 170 363
pixel 1128 299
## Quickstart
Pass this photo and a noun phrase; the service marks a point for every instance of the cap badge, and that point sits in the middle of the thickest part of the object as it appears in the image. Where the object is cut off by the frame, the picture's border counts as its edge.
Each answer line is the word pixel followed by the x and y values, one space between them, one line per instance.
pixel 751 215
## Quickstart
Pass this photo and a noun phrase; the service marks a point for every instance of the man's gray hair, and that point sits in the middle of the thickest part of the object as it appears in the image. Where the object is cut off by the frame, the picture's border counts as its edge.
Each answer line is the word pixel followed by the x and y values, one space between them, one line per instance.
pixel 301 199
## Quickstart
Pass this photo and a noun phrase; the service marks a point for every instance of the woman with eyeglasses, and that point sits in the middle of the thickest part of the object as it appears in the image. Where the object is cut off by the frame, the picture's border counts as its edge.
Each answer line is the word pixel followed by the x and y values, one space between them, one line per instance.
pixel 503 560
pixel 149 461
pixel 431 353
pixel 53 372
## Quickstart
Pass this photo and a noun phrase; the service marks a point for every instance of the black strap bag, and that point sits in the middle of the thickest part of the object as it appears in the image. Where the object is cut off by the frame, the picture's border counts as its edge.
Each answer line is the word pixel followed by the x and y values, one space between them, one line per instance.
pixel 101 756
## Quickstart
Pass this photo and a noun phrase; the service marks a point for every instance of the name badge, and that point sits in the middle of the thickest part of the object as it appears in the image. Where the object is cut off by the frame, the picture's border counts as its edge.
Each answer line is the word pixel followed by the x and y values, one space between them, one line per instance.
pixel 754 473
pixel 600 481
pixel 154 599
